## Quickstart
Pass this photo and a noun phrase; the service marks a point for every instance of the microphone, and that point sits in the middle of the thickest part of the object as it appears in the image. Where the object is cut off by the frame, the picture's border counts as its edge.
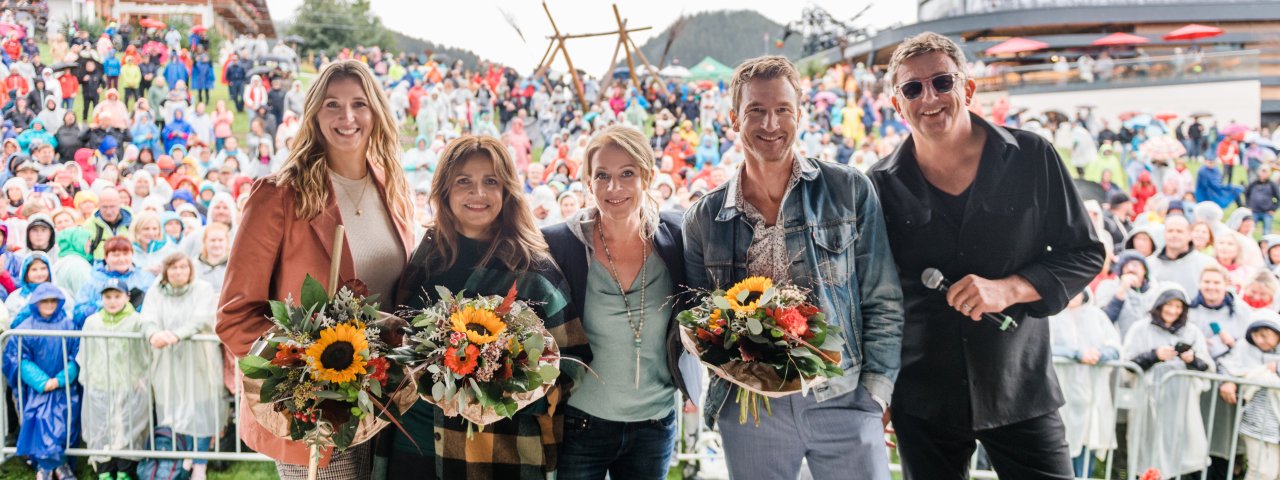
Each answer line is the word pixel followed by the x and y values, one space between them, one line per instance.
pixel 934 280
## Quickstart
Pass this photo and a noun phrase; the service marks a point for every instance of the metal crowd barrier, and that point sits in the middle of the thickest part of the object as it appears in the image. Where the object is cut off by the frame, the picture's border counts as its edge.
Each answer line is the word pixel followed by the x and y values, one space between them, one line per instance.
pixel 239 454
pixel 1215 380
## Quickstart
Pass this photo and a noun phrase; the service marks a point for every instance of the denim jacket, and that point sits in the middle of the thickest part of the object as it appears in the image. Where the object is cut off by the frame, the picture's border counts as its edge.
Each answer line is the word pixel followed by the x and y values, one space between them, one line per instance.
pixel 835 233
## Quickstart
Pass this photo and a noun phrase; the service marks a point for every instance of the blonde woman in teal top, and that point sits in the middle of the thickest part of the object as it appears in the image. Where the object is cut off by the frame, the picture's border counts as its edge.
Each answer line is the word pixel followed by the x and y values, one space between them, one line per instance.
pixel 623 262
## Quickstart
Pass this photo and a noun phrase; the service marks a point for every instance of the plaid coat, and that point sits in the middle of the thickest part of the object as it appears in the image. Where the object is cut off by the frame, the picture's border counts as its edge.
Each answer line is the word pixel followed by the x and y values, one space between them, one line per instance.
pixel 526 445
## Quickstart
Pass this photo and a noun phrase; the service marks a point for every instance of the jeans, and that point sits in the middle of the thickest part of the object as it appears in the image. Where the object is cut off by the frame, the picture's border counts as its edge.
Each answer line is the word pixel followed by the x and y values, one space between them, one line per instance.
pixel 1262 220
pixel 594 447
pixel 202 444
pixel 1082 464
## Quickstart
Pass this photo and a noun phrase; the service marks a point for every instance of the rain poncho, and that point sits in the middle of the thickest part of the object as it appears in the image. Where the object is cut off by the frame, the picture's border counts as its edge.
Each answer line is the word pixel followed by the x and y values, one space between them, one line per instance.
pixel 176 132
pixel 186 376
pixel 1210 187
pixel 16 304
pixel 420 162
pixel 1089 413
pixel 1231 317
pixel 49 420
pixel 1247 360
pixel 116 387
pixel 1131 310
pixel 1170 434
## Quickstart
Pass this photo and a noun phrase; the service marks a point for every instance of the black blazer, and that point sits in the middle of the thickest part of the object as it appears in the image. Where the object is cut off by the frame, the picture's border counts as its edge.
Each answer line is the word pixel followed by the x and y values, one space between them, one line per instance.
pixel 571 255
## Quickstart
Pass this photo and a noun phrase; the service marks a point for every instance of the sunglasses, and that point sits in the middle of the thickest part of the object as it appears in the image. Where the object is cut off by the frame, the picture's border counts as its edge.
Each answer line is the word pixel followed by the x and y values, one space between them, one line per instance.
pixel 942 84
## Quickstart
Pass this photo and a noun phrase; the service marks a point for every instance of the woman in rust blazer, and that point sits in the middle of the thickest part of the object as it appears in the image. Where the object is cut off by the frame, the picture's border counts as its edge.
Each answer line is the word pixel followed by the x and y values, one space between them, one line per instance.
pixel 345 170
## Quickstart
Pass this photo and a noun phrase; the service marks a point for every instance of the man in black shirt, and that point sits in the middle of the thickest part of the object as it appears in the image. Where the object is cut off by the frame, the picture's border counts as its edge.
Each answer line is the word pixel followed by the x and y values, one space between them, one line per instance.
pixel 995 211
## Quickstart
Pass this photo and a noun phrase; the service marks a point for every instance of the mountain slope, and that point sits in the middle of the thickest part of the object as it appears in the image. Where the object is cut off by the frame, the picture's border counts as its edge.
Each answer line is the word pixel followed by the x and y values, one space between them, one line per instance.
pixel 727 36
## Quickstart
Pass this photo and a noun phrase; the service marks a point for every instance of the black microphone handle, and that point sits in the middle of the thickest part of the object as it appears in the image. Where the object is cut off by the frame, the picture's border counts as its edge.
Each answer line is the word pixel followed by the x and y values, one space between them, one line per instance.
pixel 1003 322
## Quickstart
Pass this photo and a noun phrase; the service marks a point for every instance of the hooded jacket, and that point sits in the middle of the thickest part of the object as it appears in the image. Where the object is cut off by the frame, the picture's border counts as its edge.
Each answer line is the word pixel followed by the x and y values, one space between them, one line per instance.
pixel 1137 302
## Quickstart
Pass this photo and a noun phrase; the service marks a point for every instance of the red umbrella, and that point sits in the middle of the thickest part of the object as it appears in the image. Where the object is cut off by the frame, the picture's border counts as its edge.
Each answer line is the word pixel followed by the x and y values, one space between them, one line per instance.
pixel 1016 45
pixel 1234 128
pixel 198 29
pixel 1119 38
pixel 1166 116
pixel 6 28
pixel 1127 115
pixel 151 23
pixel 1193 31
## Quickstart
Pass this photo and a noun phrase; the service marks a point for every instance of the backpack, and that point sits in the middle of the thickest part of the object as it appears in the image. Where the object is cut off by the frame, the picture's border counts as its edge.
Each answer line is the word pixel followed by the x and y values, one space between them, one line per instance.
pixel 164 468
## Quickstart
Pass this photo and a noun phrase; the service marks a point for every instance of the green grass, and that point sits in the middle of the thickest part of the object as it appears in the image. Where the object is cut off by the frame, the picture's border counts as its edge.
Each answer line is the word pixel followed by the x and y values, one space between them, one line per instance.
pixel 17 469
pixel 240 127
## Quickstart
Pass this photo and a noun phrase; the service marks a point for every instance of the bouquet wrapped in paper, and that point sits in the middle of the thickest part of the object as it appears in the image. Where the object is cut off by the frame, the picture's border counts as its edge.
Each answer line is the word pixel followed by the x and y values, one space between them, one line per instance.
pixel 768 340
pixel 322 374
pixel 484 358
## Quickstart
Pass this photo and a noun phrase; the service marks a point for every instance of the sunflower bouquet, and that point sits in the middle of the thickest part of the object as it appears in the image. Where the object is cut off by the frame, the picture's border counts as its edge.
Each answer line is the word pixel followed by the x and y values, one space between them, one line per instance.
pixel 321 375
pixel 485 357
pixel 770 341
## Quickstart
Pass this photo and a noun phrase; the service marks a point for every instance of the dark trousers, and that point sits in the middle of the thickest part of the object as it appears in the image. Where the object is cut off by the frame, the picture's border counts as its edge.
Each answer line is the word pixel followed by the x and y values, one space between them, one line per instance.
pixel 131 95
pixel 202 96
pixel 88 104
pixel 237 96
pixel 1035 448
pixel 116 466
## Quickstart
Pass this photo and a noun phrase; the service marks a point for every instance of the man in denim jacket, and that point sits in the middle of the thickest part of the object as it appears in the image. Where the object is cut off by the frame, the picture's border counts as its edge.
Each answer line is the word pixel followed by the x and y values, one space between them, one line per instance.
pixel 817 225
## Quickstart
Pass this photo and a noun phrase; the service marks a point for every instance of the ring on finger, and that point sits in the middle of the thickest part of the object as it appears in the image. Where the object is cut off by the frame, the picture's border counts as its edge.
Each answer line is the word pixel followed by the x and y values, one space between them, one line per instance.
pixel 966 307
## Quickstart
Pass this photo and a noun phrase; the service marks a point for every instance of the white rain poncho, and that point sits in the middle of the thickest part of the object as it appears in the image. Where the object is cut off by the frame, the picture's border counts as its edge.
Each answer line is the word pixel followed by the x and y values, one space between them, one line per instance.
pixel 113 372
pixel 1089 413
pixel 1170 436
pixel 1232 317
pixel 187 376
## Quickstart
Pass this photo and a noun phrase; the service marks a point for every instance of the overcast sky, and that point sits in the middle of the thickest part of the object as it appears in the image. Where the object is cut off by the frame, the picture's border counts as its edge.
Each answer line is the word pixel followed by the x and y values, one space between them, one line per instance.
pixel 479 25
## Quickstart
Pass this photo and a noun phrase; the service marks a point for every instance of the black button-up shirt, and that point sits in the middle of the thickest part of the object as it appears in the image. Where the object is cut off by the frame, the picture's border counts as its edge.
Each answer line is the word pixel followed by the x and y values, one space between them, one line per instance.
pixel 1022 216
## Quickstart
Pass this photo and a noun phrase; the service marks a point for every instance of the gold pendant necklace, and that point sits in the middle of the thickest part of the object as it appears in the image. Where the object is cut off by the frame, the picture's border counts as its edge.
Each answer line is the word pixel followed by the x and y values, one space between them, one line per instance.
pixel 363 189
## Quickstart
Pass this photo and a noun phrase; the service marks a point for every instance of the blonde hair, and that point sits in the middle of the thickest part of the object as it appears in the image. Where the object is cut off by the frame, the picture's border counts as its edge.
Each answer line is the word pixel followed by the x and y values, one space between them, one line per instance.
pixel 306 171
pixel 214 227
pixel 517 242
pixel 135 227
pixel 765 68
pixel 634 144
pixel 1215 267
pixel 927 42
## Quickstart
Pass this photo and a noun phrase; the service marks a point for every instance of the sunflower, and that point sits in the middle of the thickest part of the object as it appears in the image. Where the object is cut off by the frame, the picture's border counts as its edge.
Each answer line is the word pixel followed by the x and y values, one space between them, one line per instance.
pixel 481 326
pixel 337 357
pixel 755 286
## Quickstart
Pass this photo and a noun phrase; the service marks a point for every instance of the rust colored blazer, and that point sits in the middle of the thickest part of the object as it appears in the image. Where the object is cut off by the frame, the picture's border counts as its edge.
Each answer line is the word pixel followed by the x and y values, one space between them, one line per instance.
pixel 274 252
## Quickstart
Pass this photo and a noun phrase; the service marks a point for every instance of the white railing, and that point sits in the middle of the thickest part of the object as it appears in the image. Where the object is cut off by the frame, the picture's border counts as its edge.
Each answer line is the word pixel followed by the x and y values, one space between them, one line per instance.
pixel 19 337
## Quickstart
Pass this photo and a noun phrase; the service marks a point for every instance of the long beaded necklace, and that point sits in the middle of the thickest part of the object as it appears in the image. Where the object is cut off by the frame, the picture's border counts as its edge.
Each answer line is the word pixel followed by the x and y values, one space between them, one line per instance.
pixel 636 327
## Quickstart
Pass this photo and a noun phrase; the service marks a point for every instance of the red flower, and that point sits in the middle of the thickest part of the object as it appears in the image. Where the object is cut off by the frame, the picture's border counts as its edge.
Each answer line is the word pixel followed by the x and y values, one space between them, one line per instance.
pixel 792 321
pixel 287 355
pixel 1151 474
pixel 378 369
pixel 706 336
pixel 462 364
pixel 807 310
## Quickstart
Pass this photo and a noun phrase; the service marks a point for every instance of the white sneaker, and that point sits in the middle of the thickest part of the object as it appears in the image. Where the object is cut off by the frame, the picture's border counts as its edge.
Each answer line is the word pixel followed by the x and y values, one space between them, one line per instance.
pixel 187 463
pixel 198 472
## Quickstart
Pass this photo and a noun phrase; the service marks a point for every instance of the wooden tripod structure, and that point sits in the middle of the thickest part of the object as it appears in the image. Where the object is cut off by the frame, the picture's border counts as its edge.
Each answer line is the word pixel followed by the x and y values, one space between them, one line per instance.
pixel 556 46
pixel 628 46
